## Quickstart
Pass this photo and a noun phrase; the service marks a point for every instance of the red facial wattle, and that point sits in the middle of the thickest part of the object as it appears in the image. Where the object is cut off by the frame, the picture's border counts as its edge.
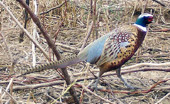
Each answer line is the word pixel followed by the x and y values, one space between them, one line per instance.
pixel 150 19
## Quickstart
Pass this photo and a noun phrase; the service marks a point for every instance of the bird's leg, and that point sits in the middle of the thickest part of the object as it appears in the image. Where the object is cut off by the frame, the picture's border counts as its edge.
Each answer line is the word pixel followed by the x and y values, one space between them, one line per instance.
pixel 97 81
pixel 125 83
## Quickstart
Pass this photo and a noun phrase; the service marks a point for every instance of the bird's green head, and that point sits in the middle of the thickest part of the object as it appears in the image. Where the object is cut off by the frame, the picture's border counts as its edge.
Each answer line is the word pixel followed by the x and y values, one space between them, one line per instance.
pixel 144 19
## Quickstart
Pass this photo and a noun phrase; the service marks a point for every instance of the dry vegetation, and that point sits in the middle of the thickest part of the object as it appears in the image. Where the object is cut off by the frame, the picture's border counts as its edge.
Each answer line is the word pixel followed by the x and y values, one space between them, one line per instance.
pixel 68 26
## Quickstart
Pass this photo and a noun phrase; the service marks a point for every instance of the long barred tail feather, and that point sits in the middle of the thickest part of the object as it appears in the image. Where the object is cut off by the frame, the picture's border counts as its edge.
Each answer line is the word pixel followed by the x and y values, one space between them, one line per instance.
pixel 55 64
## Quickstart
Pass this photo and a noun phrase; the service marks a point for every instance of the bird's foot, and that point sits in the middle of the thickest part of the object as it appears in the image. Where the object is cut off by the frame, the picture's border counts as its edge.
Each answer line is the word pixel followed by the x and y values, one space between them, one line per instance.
pixel 96 88
pixel 93 86
pixel 130 87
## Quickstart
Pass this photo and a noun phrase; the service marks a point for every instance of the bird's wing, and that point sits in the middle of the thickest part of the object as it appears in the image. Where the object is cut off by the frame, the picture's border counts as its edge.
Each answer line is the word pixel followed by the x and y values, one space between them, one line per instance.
pixel 114 45
pixel 93 51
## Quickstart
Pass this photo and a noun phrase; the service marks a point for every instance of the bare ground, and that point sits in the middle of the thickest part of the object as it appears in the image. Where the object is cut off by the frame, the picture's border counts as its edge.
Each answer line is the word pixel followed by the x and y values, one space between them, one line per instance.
pixel 51 88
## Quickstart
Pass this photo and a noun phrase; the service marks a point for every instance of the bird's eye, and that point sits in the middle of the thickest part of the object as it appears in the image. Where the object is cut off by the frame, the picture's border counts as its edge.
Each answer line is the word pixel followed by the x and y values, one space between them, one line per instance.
pixel 150 19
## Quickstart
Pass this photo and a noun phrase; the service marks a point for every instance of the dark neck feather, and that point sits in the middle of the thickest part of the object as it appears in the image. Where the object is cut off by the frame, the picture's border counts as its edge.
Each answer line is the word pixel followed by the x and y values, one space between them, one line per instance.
pixel 140 37
pixel 141 22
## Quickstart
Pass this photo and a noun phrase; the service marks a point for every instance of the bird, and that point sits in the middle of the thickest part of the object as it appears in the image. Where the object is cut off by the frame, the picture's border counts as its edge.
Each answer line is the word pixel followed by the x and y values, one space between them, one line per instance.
pixel 109 52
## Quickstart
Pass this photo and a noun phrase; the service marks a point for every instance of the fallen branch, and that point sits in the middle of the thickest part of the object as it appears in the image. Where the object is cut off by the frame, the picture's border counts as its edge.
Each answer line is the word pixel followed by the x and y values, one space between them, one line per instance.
pixel 163 88
pixel 33 86
pixel 137 68
pixel 148 65
pixel 137 92
pixel 161 30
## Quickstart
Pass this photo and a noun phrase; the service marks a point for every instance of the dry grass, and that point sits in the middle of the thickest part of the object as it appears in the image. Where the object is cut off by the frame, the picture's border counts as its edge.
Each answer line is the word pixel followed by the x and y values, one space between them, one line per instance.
pixel 69 26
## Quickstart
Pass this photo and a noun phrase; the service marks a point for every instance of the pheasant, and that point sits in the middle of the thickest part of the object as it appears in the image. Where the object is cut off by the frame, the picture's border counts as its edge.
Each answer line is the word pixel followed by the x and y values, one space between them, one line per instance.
pixel 109 52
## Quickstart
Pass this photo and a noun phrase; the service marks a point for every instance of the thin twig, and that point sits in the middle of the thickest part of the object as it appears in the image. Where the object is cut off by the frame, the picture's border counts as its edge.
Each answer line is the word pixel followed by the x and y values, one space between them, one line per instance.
pixel 163 98
pixel 6 45
pixel 25 24
pixel 159 3
pixel 88 35
pixel 67 46
pixel 9 53
pixel 85 88
pixel 163 88
pixel 161 30
pixel 38 23
pixel 15 101
pixel 147 64
pixel 27 33
pixel 7 88
pixel 58 6
pixel 34 35
pixel 59 27
pixel 34 86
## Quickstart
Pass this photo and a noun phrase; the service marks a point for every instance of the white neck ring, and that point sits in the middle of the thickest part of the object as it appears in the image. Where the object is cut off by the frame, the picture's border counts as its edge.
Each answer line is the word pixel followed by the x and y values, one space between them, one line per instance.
pixel 141 27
